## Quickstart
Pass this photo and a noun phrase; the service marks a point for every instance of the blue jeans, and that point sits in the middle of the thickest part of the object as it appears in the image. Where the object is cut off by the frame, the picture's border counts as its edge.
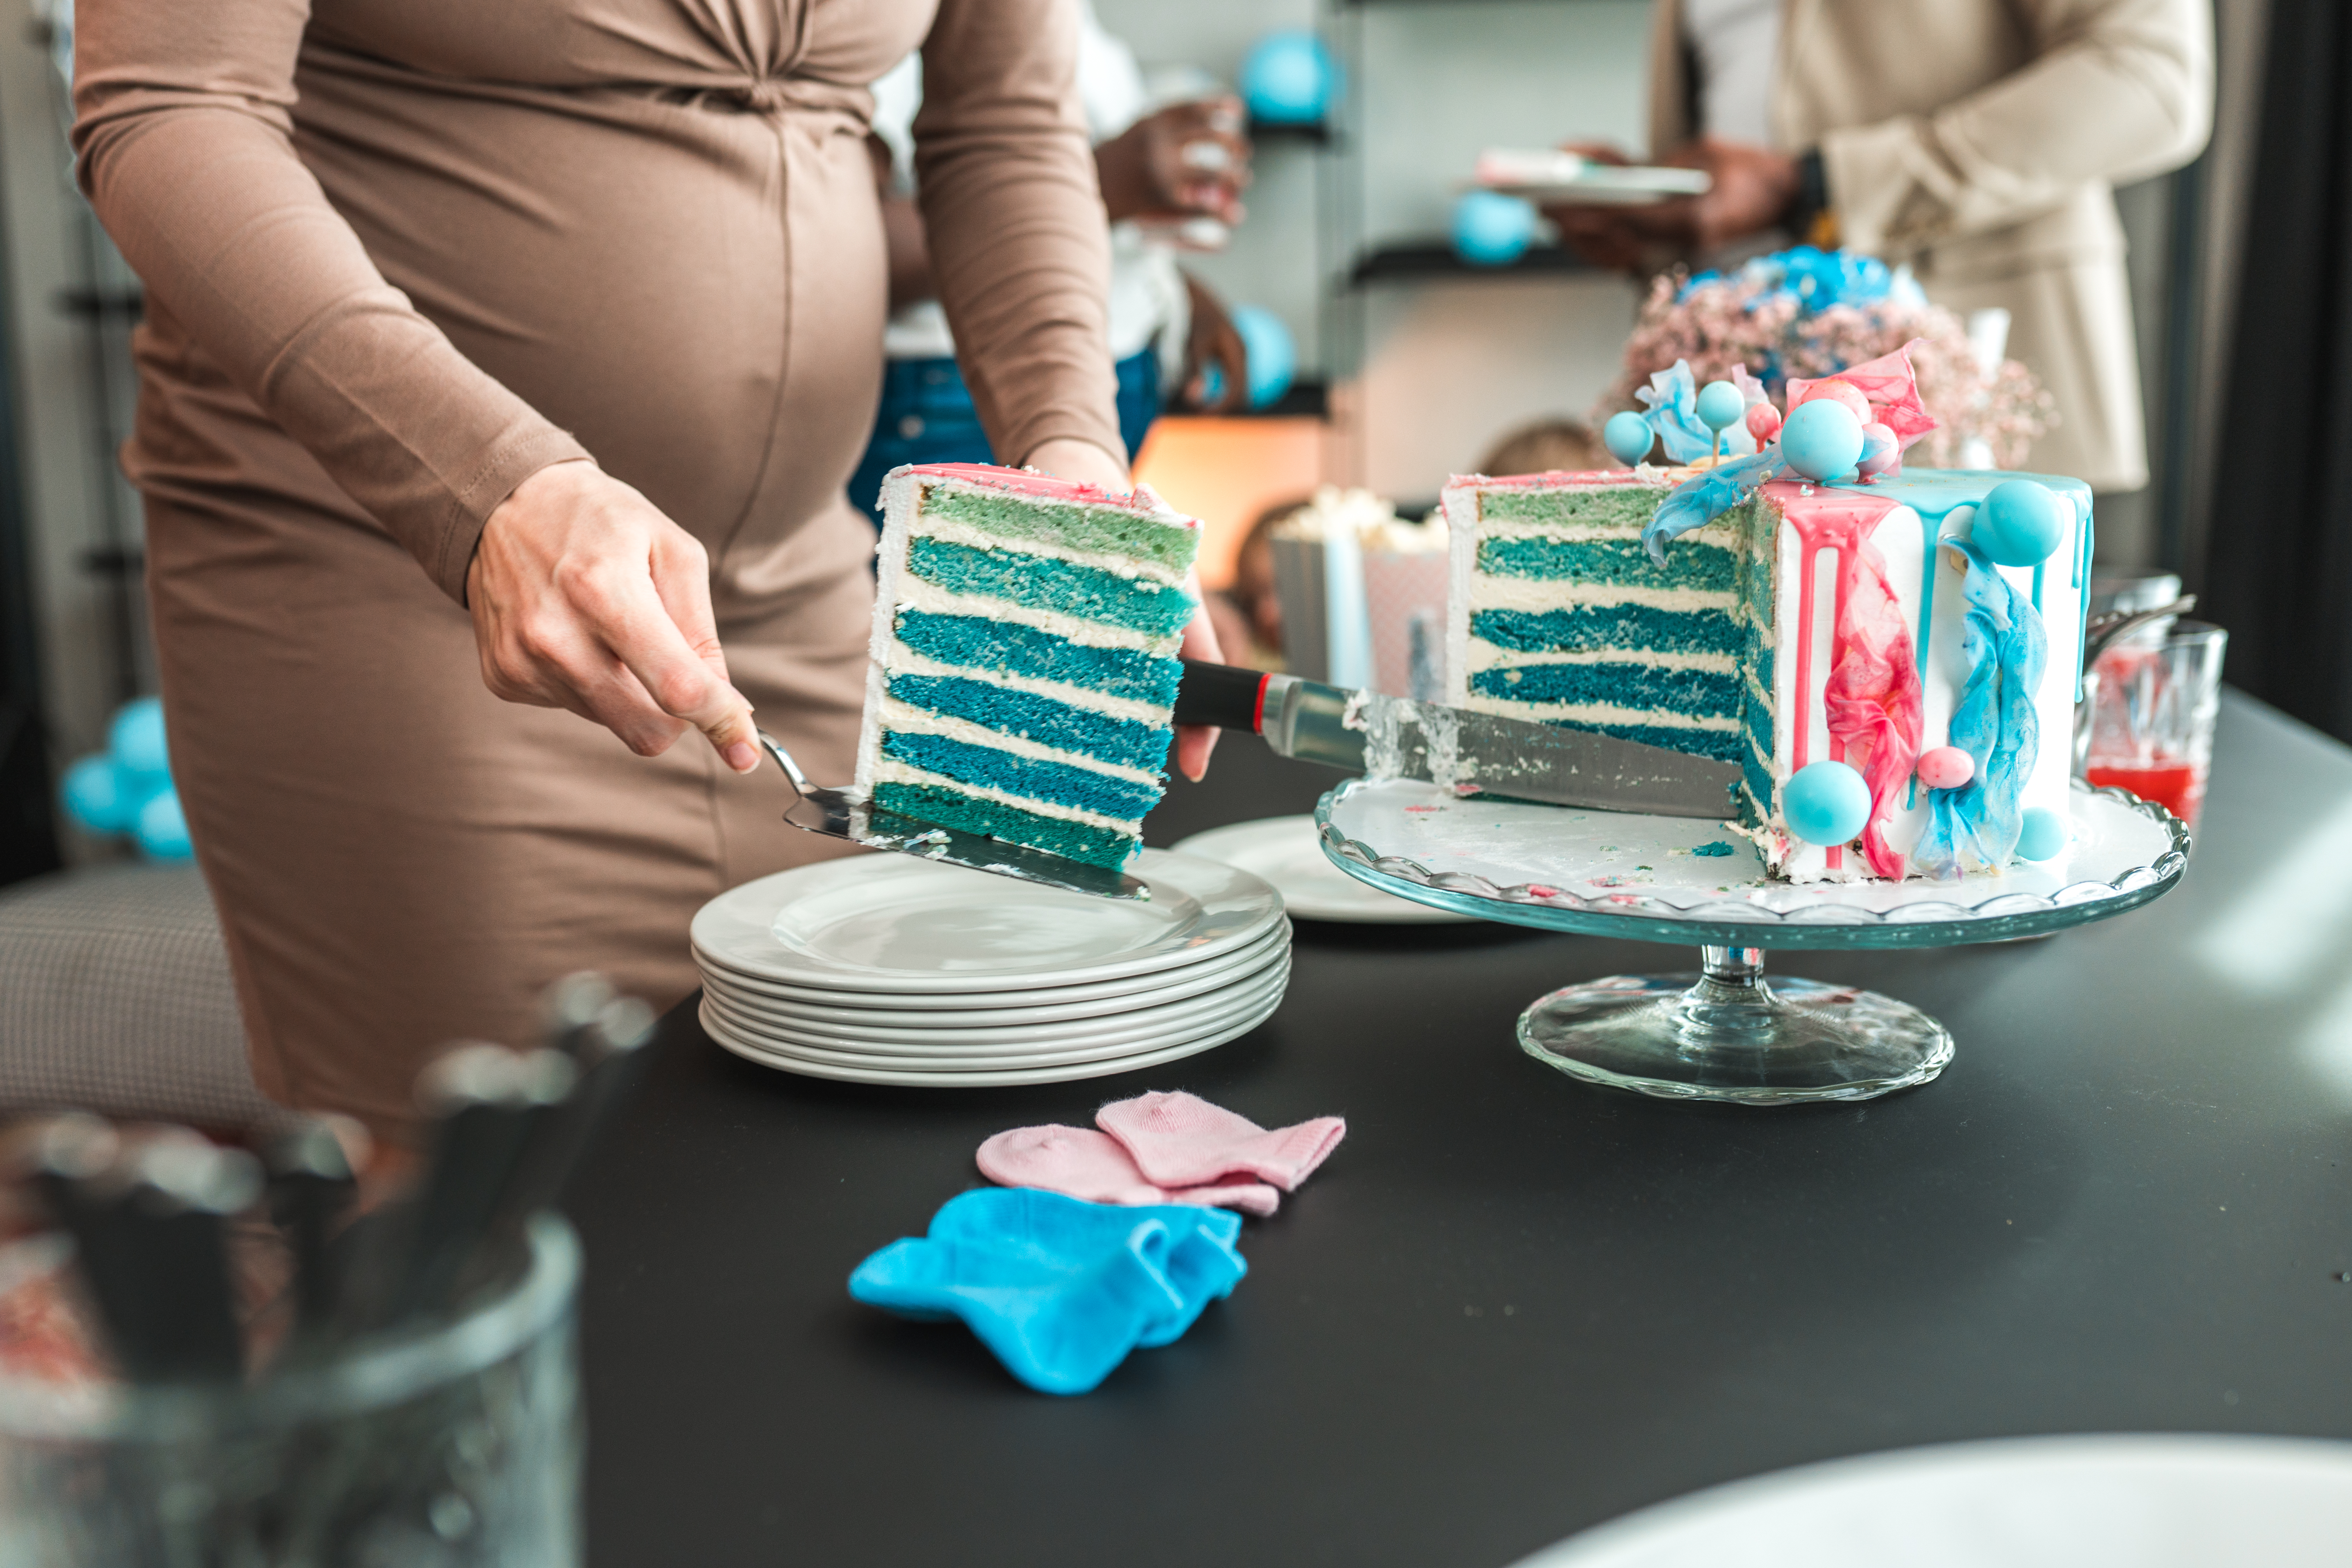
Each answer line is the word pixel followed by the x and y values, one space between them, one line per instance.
pixel 927 417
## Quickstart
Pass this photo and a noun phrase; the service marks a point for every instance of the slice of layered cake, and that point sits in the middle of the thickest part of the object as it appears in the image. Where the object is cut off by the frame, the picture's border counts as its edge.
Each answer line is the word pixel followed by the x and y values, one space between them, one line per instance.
pixel 1025 656
pixel 1884 627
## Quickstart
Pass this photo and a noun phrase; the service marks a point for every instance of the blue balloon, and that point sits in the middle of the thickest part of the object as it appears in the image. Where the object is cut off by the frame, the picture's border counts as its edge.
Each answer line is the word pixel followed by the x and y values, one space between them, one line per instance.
pixel 1825 802
pixel 1822 439
pixel 2042 834
pixel 2020 523
pixel 1721 405
pixel 98 796
pixel 163 828
pixel 1628 436
pixel 1290 77
pixel 136 737
pixel 1491 229
pixel 1273 357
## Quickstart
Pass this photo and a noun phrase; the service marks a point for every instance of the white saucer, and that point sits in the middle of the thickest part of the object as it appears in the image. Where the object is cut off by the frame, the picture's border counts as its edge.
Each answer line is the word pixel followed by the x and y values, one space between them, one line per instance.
pixel 2140 1500
pixel 1287 853
pixel 895 924
pixel 1062 1072
pixel 954 1049
pixel 1047 1004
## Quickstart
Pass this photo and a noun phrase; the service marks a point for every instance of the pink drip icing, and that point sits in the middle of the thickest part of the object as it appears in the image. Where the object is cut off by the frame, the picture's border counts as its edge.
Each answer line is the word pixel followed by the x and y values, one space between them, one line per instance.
pixel 1872 701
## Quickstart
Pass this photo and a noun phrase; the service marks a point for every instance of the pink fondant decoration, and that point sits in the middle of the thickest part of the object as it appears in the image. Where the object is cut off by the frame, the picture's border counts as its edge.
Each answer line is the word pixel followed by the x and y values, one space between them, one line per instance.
pixel 1837 390
pixel 1892 387
pixel 1945 767
pixel 1763 422
pixel 1081 1163
pixel 1181 1140
pixel 1882 452
pixel 1871 702
pixel 1046 486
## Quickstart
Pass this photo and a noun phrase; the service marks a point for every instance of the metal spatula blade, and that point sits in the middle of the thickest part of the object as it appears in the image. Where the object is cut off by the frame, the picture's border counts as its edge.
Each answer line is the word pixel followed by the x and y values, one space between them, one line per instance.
pixel 839 814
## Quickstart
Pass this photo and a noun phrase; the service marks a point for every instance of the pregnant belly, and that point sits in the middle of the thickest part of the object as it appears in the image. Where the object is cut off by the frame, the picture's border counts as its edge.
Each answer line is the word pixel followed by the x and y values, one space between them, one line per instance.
pixel 697 295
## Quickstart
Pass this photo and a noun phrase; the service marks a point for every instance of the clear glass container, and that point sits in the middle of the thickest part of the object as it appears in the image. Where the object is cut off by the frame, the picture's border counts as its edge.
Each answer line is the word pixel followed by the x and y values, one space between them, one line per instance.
pixel 460 1447
pixel 2151 704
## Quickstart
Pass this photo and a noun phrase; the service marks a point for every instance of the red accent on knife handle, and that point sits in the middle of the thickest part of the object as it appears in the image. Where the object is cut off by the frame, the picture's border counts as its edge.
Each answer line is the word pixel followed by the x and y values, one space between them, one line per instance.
pixel 1222 695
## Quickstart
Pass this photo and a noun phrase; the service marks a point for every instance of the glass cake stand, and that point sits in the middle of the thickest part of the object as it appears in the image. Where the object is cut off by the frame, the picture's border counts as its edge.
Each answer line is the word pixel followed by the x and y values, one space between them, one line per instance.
pixel 1724 1033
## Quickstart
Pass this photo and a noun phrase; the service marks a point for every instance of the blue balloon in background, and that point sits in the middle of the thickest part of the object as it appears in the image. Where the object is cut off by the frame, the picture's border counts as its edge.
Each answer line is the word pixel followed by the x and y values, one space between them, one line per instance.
pixel 163 828
pixel 1273 357
pixel 1491 229
pixel 2020 524
pixel 1721 405
pixel 1821 440
pixel 136 737
pixel 1825 802
pixel 1628 436
pixel 2042 834
pixel 1290 77
pixel 98 796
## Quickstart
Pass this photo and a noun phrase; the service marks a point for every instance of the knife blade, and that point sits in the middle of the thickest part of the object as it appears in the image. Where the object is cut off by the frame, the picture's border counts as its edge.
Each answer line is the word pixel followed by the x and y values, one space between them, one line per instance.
pixel 1394 737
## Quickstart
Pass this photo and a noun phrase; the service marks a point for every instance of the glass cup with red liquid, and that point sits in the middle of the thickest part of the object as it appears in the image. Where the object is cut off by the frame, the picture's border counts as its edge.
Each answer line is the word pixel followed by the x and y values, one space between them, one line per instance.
pixel 2150 703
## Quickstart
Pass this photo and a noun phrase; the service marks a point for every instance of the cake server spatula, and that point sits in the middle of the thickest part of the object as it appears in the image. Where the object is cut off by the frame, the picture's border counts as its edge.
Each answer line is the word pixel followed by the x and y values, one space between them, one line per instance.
pixel 1391 737
pixel 840 813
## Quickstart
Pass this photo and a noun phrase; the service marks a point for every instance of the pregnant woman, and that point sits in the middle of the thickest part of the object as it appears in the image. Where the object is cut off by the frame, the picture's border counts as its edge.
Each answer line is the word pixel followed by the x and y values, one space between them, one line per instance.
pixel 519 351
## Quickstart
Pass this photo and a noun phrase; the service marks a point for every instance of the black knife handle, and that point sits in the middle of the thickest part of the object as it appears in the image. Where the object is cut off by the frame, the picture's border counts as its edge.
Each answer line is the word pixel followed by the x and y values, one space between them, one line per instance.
pixel 1220 694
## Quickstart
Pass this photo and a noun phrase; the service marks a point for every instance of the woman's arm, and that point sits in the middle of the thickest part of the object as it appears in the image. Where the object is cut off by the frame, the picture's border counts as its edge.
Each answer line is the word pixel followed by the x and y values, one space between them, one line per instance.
pixel 2119 90
pixel 185 139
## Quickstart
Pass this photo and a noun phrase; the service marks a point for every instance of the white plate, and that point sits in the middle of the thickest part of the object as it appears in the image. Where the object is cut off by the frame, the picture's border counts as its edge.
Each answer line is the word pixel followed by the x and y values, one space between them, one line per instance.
pixel 954 1049
pixel 1062 1073
pixel 2125 1501
pixel 898 923
pixel 1286 851
pixel 990 1008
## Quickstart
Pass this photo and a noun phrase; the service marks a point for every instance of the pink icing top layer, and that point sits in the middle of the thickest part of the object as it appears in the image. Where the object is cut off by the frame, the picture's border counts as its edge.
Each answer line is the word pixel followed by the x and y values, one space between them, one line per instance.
pixel 1141 501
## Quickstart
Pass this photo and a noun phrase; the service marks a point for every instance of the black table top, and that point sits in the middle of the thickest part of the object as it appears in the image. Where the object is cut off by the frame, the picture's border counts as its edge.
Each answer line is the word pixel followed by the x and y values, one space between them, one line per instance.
pixel 1512 1306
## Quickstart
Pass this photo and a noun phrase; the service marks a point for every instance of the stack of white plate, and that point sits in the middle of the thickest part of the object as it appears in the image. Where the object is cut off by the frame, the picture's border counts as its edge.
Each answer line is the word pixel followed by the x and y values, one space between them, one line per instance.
pixel 892 969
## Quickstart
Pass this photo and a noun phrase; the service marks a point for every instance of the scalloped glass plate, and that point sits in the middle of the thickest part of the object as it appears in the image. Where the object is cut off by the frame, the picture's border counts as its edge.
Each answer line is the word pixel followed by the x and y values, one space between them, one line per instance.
pixel 1664 878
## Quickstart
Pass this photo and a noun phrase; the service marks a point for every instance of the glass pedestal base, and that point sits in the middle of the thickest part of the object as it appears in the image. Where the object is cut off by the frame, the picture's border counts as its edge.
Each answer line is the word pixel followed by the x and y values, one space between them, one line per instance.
pixel 1725 1034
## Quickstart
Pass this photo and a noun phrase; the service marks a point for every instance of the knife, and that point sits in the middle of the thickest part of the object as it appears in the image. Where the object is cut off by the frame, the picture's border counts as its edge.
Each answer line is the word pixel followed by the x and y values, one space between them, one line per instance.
pixel 1393 737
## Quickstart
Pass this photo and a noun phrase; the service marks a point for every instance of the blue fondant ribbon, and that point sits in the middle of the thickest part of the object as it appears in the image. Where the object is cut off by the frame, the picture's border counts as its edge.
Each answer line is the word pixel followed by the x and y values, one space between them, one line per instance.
pixel 1994 722
pixel 1671 403
pixel 1707 495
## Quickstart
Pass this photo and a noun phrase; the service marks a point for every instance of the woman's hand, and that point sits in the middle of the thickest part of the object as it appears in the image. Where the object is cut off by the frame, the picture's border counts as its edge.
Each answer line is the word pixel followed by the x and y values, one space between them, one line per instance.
pixel 1089 464
pixel 1189 159
pixel 1753 189
pixel 585 597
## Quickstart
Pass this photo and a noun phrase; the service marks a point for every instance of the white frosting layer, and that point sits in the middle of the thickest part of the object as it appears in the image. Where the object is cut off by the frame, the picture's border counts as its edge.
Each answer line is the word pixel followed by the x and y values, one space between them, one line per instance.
pixel 951 531
pixel 915 593
pixel 1488 656
pixel 1540 594
pixel 904 660
pixel 1604 713
pixel 889 770
pixel 906 718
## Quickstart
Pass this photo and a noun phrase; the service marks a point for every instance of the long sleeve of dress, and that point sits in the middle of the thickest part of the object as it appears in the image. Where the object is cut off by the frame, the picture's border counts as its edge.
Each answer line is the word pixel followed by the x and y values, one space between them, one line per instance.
pixel 2119 90
pixel 1020 249
pixel 185 136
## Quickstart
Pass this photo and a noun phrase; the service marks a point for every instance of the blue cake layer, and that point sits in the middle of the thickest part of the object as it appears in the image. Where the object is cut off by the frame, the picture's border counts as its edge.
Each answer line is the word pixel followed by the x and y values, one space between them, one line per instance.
pixel 1056 835
pixel 1012 648
pixel 1723 745
pixel 1695 562
pixel 1033 778
pixel 1608 628
pixel 1699 693
pixel 1011 712
pixel 1044 581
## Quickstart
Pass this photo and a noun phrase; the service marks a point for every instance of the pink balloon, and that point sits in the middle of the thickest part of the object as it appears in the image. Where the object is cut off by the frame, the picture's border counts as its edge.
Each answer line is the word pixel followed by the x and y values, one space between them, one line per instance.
pixel 1880 450
pixel 1844 392
pixel 1763 422
pixel 1945 767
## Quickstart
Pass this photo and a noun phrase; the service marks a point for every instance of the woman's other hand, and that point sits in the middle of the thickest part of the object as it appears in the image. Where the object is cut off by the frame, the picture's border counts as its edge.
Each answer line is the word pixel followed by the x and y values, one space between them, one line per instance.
pixel 585 597
pixel 1089 464
pixel 1753 189
pixel 1189 159
pixel 1213 340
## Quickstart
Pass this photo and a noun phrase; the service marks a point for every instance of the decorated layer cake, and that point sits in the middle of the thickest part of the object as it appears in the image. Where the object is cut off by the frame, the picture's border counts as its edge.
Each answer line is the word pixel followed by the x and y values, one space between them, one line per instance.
pixel 1025 656
pixel 1891 658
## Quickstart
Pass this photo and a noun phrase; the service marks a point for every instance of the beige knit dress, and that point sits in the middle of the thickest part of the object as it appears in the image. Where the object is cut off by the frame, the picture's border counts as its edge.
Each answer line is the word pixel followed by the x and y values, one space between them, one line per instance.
pixel 402 254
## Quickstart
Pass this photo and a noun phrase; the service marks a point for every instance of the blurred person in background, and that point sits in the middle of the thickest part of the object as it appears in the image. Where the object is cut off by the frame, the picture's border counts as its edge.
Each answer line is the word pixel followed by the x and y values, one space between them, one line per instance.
pixel 1158 172
pixel 1546 445
pixel 1978 141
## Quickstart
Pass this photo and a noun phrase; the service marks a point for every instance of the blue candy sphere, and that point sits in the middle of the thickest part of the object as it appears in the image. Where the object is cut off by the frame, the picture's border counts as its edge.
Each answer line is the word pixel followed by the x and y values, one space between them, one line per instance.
pixel 1289 78
pixel 1721 405
pixel 1491 229
pixel 1628 436
pixel 1273 357
pixel 136 737
pixel 2042 834
pixel 163 828
pixel 1822 440
pixel 1826 802
pixel 98 796
pixel 2020 524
